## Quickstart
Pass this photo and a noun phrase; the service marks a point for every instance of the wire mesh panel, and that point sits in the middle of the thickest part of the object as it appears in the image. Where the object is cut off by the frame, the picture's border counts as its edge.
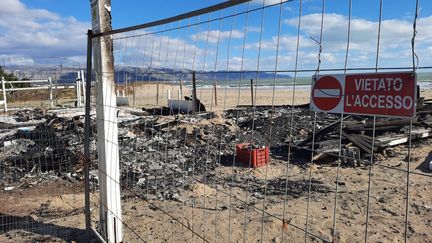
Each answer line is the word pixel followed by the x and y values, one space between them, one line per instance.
pixel 41 159
pixel 217 142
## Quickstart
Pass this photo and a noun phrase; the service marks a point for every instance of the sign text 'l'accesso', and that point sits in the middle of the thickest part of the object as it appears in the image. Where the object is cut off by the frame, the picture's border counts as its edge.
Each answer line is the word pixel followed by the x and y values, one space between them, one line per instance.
pixel 381 94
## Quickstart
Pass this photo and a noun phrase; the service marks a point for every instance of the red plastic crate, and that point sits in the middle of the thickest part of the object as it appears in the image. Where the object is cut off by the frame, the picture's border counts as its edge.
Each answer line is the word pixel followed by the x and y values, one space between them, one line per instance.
pixel 256 157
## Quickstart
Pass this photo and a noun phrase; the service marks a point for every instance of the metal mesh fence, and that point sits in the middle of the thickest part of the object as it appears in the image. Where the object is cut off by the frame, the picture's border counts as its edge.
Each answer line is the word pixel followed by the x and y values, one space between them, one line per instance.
pixel 196 96
pixel 41 160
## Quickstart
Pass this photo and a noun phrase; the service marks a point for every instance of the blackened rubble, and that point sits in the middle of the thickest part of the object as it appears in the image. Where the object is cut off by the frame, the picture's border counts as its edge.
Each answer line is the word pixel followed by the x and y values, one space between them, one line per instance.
pixel 46 150
pixel 272 126
pixel 161 155
pixel 267 126
pixel 160 162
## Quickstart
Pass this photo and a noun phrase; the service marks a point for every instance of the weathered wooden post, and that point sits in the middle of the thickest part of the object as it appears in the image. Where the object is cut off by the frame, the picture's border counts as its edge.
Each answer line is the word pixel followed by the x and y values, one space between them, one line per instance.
pixel 181 89
pixel 215 92
pixel 107 131
pixel 157 93
pixel 194 96
pixel 133 94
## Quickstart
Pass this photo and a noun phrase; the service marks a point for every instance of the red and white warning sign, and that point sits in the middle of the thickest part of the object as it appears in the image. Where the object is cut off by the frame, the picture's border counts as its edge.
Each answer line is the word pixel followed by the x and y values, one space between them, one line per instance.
pixel 380 94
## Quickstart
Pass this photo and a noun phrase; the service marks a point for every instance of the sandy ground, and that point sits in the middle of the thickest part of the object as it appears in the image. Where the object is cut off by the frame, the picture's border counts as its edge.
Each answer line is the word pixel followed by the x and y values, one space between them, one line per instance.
pixel 45 212
pixel 221 214
pixel 146 95
pixel 386 218
pixel 56 210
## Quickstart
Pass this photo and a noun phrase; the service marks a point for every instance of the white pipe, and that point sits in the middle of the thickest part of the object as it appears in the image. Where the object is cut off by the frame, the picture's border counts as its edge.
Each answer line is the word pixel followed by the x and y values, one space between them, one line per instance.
pixel 83 86
pixel 51 93
pixel 78 93
pixel 27 81
pixel 4 94
pixel 44 87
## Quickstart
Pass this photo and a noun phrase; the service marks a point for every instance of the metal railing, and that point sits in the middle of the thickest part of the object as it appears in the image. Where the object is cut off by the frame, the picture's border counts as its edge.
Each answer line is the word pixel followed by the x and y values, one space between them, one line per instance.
pixel 43 84
pixel 165 174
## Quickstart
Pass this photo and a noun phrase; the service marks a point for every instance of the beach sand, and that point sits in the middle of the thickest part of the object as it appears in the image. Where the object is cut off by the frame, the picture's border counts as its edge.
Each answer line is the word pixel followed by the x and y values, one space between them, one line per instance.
pixel 227 97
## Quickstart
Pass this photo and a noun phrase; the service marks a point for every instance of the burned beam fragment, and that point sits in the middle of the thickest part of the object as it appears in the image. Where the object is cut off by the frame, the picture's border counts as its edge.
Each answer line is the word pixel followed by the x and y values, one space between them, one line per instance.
pixel 323 131
pixel 359 141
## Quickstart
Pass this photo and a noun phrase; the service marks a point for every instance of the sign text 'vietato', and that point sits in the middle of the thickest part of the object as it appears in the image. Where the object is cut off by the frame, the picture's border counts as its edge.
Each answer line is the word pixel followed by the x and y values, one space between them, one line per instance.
pixel 381 94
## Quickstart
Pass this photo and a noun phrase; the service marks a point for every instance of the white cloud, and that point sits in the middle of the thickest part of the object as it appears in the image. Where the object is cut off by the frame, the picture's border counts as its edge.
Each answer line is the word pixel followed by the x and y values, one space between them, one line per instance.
pixel 267 2
pixel 159 52
pixel 286 42
pixel 395 40
pixel 214 35
pixel 39 32
pixel 7 60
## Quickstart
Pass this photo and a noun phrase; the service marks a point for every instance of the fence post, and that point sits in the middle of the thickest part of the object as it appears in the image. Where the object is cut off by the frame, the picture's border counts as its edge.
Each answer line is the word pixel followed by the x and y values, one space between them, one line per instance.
pixel 194 95
pixel 77 93
pixel 215 92
pixel 107 130
pixel 133 94
pixel 51 92
pixel 181 90
pixel 87 135
pixel 4 94
pixel 157 93
pixel 252 92
pixel 83 87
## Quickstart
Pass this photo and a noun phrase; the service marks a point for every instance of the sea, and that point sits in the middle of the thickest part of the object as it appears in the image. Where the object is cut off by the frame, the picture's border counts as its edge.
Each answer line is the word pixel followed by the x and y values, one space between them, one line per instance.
pixel 424 81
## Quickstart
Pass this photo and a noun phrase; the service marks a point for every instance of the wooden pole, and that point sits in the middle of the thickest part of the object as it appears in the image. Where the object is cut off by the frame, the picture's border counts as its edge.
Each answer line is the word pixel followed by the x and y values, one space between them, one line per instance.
pixel 194 96
pixel 181 90
pixel 133 94
pixel 252 92
pixel 215 92
pixel 157 94
pixel 107 131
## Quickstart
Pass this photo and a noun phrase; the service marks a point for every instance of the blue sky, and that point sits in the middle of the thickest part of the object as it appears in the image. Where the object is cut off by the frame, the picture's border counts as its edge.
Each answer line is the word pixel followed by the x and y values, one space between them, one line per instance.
pixel 39 30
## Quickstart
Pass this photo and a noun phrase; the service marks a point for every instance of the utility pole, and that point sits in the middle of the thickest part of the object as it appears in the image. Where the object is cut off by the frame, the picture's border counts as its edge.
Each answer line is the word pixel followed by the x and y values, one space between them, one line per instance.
pixel 107 130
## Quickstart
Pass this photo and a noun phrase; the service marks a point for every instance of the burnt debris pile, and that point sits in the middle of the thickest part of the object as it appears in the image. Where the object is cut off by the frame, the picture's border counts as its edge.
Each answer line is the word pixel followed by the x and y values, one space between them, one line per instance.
pixel 162 154
pixel 160 157
pixel 34 144
pixel 282 126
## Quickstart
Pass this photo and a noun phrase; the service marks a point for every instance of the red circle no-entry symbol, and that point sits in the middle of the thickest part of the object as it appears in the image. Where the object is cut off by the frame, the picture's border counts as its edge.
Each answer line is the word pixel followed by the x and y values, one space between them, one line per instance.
pixel 326 93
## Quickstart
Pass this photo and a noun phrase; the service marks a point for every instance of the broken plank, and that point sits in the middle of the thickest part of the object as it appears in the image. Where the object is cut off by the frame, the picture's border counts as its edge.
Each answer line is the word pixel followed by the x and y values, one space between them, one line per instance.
pixel 165 124
pixel 393 140
pixel 359 142
pixel 322 131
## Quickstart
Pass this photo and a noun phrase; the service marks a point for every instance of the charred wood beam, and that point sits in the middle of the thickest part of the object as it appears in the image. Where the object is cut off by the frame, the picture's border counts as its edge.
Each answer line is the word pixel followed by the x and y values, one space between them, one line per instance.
pixel 324 130
pixel 359 141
